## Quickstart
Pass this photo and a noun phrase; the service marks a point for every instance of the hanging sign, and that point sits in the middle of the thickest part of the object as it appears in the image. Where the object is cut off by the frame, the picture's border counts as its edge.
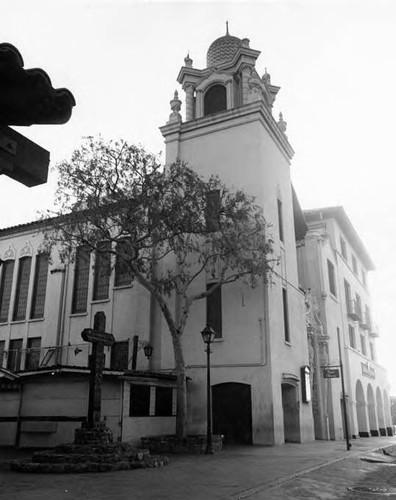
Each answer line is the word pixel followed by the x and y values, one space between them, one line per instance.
pixel 331 373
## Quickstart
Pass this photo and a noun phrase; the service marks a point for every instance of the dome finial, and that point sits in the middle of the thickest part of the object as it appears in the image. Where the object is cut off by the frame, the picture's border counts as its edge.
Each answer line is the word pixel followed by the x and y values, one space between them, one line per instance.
pixel 227 28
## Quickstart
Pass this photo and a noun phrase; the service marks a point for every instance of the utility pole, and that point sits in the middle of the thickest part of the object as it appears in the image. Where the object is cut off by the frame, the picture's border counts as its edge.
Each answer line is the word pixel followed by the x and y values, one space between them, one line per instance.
pixel 346 426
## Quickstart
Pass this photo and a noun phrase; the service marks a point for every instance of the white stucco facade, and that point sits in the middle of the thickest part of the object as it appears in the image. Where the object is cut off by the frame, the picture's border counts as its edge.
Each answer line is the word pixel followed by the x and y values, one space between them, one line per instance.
pixel 332 247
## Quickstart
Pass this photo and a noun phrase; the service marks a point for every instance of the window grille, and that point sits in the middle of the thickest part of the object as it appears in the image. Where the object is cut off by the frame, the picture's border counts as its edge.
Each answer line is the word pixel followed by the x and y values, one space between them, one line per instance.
pixel 123 274
pixel 14 355
pixel 32 360
pixel 102 271
pixel 81 278
pixel 22 290
pixel 5 289
pixel 39 286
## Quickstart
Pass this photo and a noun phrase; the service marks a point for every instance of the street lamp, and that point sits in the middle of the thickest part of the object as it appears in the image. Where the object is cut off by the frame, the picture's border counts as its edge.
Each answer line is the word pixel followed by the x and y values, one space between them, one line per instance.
pixel 208 336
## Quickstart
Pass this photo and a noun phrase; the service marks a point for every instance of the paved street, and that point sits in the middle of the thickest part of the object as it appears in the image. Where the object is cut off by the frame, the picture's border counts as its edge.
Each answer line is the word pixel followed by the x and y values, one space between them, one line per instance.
pixel 322 470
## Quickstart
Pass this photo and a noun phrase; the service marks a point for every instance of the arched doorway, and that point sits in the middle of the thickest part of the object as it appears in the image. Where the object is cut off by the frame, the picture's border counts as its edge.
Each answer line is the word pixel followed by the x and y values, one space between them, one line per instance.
pixel 361 410
pixel 371 411
pixel 380 413
pixel 232 412
pixel 291 413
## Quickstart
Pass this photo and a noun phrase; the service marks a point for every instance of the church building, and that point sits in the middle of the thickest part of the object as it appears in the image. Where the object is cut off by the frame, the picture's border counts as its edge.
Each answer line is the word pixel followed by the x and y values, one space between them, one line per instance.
pixel 260 377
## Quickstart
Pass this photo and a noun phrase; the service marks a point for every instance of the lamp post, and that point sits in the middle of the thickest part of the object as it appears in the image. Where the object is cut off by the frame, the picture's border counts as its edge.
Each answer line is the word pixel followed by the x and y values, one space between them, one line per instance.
pixel 208 336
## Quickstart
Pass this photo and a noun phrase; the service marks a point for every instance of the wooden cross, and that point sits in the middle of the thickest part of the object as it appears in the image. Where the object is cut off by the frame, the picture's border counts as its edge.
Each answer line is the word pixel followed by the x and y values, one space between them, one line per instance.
pixel 99 338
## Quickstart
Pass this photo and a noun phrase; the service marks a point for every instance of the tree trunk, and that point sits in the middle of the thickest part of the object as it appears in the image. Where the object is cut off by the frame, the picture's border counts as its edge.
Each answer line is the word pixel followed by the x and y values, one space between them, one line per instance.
pixel 181 411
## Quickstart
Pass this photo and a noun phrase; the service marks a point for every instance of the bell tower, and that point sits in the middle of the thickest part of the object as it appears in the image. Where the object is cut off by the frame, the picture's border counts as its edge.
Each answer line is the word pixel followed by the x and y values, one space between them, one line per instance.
pixel 229 130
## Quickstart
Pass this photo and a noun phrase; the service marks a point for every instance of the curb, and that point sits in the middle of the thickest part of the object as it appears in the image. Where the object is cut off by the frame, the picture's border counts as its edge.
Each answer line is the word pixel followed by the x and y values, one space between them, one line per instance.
pixel 277 482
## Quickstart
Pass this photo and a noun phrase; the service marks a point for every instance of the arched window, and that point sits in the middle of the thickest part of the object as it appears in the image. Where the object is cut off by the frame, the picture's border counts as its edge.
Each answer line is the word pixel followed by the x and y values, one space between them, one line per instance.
pixel 215 99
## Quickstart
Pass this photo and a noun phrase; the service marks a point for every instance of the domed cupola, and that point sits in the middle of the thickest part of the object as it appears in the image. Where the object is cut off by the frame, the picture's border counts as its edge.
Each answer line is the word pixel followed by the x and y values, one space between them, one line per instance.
pixel 222 50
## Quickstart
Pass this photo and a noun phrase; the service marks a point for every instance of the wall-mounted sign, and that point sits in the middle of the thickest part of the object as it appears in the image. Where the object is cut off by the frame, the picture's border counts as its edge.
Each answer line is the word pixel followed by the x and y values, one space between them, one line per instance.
pixel 306 384
pixel 331 373
pixel 367 370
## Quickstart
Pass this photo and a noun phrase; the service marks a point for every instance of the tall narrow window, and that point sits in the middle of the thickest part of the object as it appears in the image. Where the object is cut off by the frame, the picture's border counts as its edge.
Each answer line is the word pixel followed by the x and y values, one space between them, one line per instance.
pixel 352 341
pixel 332 284
pixel 215 99
pixel 354 265
pixel 81 277
pixel 119 356
pixel 32 360
pixel 343 248
pixel 214 310
pixel 102 271
pixel 14 355
pixel 39 286
pixel 363 344
pixel 5 289
pixel 372 353
pixel 364 278
pixel 280 220
pixel 359 306
pixel 286 326
pixel 212 212
pixel 22 290
pixel 347 288
pixel 123 274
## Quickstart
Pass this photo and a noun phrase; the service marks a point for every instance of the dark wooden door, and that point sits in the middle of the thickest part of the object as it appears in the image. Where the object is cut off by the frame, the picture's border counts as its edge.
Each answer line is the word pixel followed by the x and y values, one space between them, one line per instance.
pixel 232 412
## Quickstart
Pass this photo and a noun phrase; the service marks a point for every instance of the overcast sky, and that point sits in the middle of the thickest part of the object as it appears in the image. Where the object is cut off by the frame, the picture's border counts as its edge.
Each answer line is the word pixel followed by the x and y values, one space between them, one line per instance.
pixel 334 62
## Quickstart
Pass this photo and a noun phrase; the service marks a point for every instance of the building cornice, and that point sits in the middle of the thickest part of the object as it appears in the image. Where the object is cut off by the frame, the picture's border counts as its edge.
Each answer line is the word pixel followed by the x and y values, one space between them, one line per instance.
pixel 255 111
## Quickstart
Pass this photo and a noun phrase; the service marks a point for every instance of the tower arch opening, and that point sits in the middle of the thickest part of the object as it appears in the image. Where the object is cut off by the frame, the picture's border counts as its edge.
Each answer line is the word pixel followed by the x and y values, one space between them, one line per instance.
pixel 215 99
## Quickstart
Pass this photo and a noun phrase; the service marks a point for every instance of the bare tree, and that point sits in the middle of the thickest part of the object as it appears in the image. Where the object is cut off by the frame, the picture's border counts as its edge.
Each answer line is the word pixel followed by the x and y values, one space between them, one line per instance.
pixel 174 227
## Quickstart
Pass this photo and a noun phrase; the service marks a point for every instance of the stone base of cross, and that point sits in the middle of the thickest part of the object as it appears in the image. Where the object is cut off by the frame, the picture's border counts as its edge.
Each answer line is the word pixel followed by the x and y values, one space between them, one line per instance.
pixel 94 430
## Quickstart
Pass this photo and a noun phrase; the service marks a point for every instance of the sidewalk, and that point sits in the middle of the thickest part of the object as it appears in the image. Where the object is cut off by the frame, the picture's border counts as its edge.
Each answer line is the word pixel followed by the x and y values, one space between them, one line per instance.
pixel 235 473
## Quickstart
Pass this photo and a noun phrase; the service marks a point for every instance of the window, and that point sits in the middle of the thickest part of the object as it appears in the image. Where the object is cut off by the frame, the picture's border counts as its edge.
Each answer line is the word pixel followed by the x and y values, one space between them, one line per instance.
pixel 354 265
pixel 5 289
pixel 363 344
pixel 280 220
pixel 286 327
pixel 119 356
pixel 32 360
pixel 364 278
pixel 2 352
pixel 214 310
pixel 81 278
pixel 372 354
pixel 163 401
pixel 347 288
pixel 123 274
pixel 139 402
pixel 343 248
pixel 215 99
pixel 14 355
pixel 212 212
pixel 332 285
pixel 102 271
pixel 39 286
pixel 352 341
pixel 22 290
pixel 367 318
pixel 359 306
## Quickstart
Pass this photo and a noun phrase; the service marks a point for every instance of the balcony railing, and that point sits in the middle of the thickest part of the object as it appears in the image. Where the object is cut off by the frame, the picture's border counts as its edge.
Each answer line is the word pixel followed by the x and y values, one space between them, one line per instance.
pixel 31 359
pixel 365 323
pixel 354 311
pixel 77 355
pixel 373 332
